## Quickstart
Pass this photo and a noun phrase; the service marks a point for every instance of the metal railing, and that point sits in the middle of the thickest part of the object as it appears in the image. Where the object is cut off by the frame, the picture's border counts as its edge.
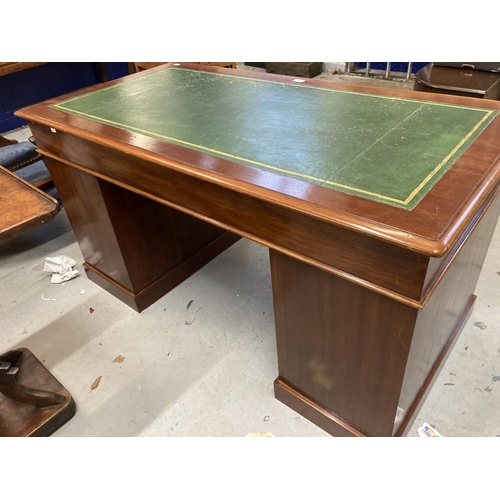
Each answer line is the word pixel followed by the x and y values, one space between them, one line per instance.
pixel 368 71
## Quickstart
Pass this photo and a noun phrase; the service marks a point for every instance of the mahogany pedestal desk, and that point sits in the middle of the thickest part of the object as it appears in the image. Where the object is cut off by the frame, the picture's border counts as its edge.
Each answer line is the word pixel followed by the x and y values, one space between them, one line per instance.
pixel 377 205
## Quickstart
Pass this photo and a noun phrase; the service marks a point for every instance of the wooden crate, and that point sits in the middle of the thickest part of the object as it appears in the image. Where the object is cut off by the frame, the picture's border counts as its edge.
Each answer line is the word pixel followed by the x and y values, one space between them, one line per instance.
pixel 305 69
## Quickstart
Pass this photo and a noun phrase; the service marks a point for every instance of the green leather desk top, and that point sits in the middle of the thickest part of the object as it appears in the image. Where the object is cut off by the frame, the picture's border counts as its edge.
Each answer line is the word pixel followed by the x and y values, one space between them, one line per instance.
pixel 387 149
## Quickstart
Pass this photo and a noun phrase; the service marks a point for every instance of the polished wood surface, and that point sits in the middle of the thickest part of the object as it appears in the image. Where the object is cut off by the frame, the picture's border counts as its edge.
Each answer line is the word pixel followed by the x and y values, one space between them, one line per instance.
pixel 6 142
pixel 314 240
pixel 22 206
pixel 336 345
pixel 369 298
pixel 441 320
pixel 6 68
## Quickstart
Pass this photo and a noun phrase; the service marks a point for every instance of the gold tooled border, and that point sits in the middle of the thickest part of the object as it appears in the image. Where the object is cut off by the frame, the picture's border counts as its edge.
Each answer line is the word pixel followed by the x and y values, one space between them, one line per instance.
pixel 405 202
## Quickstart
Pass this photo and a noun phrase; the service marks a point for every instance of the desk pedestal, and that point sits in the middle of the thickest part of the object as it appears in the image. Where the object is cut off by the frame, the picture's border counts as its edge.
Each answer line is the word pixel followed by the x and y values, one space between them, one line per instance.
pixel 352 360
pixel 359 363
pixel 135 248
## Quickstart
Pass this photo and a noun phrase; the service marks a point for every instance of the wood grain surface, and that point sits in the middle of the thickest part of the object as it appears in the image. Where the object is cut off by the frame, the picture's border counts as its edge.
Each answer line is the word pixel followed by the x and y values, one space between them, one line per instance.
pixel 22 206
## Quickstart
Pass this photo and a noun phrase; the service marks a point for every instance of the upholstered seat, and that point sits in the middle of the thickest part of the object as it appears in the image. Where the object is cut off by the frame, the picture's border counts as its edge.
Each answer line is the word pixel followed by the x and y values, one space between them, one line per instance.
pixel 16 156
pixel 23 159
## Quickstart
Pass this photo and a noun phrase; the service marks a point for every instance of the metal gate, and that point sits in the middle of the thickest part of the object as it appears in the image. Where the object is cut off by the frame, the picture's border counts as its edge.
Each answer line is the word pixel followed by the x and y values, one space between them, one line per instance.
pixel 387 71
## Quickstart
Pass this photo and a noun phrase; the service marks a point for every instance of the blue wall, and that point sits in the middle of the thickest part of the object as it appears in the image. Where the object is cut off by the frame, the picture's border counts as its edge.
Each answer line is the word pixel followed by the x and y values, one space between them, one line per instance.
pixel 399 67
pixel 37 84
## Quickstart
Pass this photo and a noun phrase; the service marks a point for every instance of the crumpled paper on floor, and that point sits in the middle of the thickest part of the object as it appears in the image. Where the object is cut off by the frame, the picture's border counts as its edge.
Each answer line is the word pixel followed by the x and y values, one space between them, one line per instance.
pixel 61 267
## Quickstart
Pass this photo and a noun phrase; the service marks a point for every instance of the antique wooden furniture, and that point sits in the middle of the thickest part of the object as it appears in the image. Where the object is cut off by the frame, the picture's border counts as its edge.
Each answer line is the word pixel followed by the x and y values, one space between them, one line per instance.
pixel 6 142
pixel 32 401
pixel 377 205
pixel 6 68
pixel 458 81
pixel 307 69
pixel 22 206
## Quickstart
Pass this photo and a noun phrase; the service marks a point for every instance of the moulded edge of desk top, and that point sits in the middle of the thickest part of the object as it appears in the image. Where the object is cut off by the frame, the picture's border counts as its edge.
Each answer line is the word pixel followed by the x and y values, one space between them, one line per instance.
pixel 433 247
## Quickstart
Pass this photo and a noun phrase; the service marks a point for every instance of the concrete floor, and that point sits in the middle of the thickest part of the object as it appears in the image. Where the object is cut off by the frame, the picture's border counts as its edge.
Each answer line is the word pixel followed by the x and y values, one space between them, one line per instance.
pixel 202 360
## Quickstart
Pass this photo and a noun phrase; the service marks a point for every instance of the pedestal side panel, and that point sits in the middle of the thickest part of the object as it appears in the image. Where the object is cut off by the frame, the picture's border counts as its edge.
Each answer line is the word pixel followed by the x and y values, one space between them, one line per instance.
pixel 442 315
pixel 341 345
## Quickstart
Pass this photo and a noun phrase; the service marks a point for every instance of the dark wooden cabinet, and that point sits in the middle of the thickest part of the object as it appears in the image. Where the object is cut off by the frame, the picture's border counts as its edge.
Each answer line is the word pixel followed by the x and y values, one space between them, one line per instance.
pixel 467 82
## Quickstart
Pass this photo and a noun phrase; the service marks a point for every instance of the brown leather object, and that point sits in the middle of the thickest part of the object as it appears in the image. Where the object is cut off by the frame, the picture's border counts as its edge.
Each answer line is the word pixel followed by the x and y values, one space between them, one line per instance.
pixel 32 401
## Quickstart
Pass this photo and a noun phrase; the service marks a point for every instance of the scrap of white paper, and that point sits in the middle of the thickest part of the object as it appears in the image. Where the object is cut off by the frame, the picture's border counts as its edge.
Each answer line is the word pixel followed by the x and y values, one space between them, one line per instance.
pixel 62 268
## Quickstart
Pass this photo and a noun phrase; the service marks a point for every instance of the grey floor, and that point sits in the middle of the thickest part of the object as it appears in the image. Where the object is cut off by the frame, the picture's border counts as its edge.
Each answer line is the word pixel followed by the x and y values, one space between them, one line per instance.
pixel 202 360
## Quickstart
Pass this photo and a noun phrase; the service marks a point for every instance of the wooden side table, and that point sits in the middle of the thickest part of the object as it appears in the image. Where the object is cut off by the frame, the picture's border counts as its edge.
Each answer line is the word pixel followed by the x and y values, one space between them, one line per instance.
pixel 22 206
pixel 32 401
